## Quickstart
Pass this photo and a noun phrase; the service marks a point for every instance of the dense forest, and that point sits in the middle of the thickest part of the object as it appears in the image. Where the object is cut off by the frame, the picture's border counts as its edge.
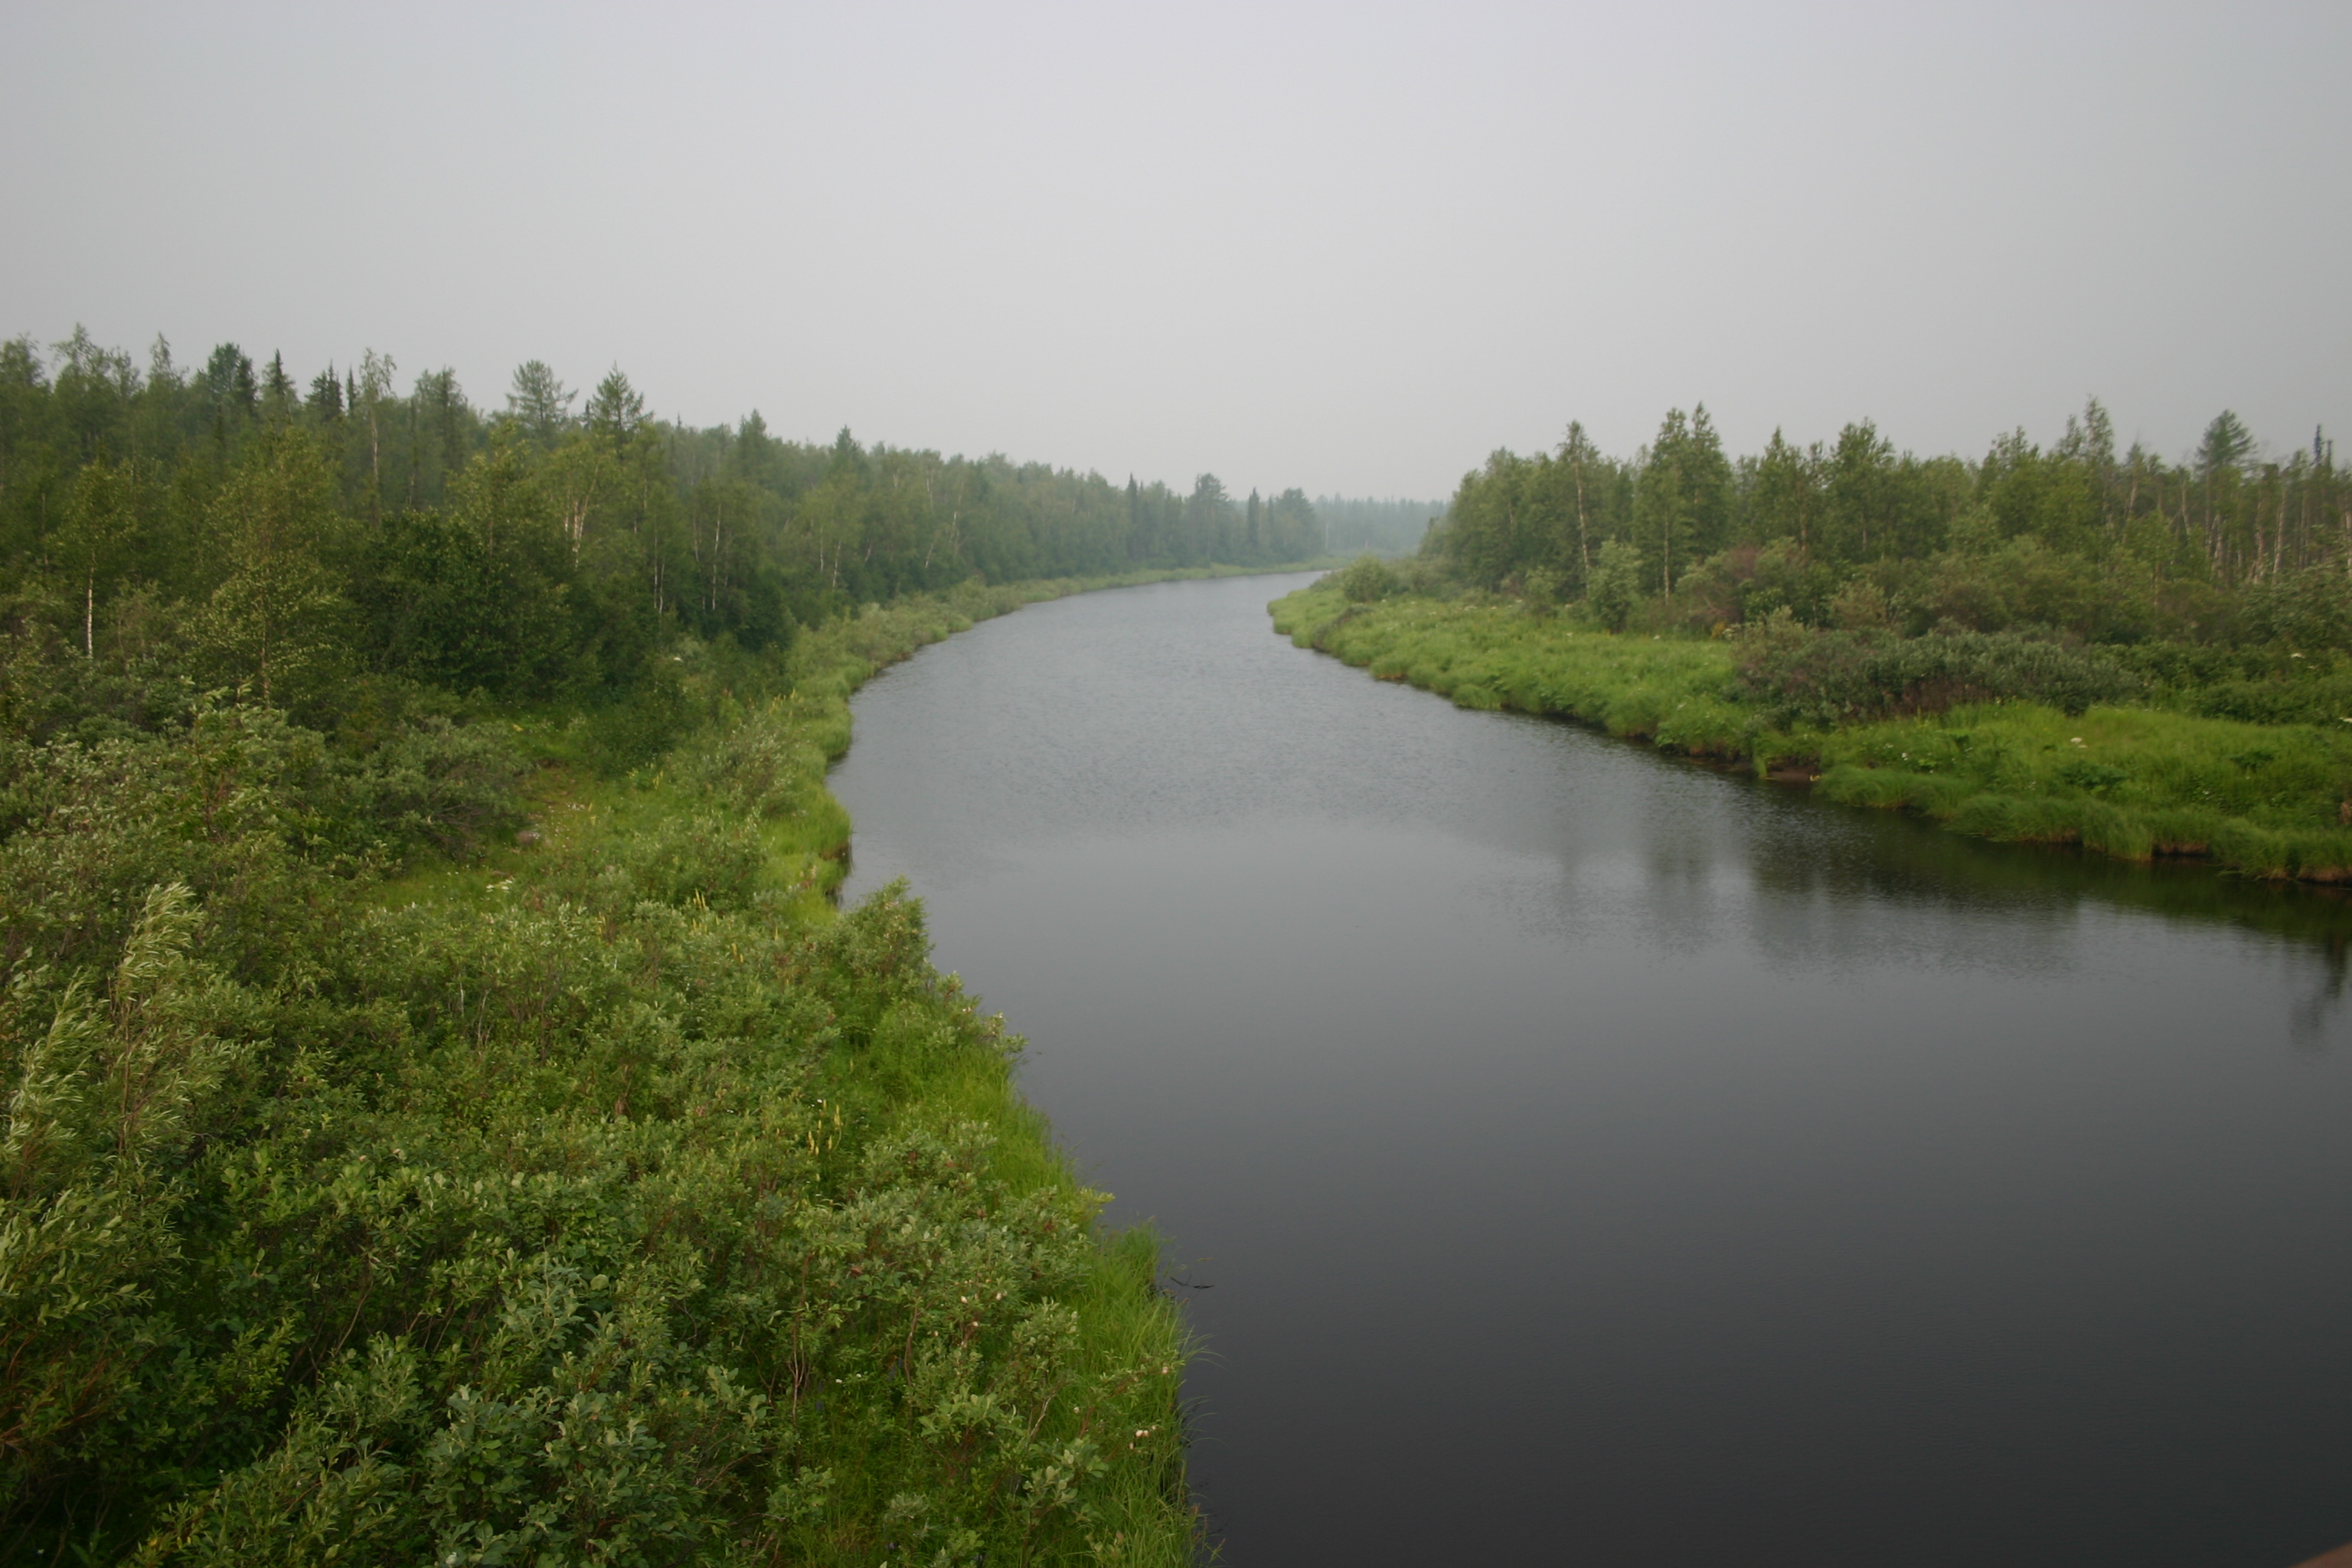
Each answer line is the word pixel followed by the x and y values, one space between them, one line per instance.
pixel 446 1117
pixel 2072 538
pixel 257 518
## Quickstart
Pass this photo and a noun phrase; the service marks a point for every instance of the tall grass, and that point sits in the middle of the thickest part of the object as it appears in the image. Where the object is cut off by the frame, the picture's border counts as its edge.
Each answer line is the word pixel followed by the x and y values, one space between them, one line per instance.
pixel 2133 782
pixel 1493 656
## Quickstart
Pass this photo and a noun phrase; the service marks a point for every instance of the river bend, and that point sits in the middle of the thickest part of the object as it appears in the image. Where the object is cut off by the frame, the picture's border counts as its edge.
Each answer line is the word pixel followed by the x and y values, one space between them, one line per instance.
pixel 1580 1155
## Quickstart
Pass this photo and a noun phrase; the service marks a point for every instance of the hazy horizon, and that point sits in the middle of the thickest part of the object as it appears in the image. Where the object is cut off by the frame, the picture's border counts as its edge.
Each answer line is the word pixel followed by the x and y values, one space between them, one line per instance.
pixel 1350 250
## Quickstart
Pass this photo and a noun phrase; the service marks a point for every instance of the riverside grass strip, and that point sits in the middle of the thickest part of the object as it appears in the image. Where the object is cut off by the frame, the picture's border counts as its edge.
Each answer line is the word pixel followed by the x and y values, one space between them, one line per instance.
pixel 2272 801
pixel 608 1197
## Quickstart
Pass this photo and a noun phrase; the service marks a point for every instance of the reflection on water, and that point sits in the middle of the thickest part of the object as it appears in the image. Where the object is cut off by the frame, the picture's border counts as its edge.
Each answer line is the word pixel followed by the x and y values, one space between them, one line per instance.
pixel 1599 1158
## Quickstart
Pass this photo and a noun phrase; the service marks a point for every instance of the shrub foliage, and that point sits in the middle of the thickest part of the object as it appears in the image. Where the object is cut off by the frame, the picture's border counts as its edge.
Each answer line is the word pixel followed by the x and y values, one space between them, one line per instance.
pixel 379 1190
pixel 1833 678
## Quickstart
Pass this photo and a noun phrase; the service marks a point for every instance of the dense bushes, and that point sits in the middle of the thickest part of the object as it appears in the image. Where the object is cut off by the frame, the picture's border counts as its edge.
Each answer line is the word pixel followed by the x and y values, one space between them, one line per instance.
pixel 498 1244
pixel 1819 679
pixel 439 602
pixel 602 1199
pixel 262 819
pixel 2324 696
pixel 2310 611
pixel 1367 578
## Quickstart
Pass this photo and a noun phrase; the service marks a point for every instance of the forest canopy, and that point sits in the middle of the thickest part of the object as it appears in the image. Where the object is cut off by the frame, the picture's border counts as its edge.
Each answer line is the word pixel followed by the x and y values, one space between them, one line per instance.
pixel 2074 538
pixel 286 534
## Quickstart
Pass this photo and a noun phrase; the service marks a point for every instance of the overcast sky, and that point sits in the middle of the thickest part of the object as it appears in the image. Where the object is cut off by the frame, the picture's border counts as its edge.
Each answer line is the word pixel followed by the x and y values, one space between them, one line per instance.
pixel 1351 247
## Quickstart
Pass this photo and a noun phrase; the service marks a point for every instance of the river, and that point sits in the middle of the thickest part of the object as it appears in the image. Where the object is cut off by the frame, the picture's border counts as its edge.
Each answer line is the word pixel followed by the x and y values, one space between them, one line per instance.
pixel 1572 1154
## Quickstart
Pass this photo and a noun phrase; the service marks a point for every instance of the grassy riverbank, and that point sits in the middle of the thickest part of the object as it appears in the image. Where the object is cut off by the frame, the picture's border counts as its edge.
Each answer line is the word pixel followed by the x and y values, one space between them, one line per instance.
pixel 2135 783
pixel 589 1191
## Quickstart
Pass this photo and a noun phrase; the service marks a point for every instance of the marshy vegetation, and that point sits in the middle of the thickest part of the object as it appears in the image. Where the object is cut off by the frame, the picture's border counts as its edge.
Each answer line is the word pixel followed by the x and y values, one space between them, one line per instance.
pixel 2046 646
pixel 446 1116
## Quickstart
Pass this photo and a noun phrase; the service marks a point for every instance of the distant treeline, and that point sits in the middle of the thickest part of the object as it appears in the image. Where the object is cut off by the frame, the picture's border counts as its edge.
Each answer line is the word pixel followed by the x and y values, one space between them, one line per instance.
pixel 1384 527
pixel 255 521
pixel 2072 538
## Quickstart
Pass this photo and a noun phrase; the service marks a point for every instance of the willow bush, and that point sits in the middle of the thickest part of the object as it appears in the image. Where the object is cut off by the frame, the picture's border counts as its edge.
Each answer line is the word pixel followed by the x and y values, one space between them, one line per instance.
pixel 1822 679
pixel 376 1194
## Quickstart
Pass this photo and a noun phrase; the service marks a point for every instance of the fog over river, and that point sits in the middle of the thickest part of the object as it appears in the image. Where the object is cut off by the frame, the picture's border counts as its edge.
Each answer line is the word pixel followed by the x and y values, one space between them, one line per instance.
pixel 1585 1156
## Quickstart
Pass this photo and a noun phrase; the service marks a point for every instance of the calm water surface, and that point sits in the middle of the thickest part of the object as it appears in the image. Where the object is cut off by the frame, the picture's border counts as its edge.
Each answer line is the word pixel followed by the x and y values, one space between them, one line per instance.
pixel 1586 1157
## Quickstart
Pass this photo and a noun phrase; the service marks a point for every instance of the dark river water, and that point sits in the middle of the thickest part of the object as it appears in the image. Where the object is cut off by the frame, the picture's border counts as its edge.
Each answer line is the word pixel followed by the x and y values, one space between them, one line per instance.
pixel 1581 1156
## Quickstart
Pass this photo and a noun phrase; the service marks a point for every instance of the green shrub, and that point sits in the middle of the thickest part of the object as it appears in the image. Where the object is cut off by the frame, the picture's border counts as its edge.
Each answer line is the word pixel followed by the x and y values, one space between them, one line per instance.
pixel 2322 697
pixel 1616 585
pixel 1366 579
pixel 639 724
pixel 756 764
pixel 438 785
pixel 1833 677
pixel 2310 610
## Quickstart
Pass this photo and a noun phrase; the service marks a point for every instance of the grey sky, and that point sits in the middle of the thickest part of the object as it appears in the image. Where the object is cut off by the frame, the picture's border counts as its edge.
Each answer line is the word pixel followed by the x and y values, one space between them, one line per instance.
pixel 1351 247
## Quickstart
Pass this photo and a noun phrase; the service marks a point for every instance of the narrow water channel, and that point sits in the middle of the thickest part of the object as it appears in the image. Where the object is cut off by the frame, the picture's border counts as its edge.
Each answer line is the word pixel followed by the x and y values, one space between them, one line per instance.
pixel 1581 1156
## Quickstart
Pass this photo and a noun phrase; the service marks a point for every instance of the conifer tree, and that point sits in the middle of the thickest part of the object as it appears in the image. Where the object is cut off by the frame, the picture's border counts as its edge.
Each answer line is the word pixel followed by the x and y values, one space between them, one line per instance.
pixel 540 403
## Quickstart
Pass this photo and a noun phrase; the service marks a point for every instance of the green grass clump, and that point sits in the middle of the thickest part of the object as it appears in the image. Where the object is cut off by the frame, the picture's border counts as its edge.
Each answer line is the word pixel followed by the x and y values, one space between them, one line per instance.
pixel 1497 656
pixel 2134 783
pixel 2271 800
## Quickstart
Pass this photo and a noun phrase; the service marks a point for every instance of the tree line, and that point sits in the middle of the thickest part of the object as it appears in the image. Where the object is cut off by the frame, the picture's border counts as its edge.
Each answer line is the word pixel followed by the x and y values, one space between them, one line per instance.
pixel 285 534
pixel 2073 537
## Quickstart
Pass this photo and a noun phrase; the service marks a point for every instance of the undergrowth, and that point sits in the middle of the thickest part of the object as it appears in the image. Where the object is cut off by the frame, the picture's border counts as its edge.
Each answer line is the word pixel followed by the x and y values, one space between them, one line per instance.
pixel 589 1191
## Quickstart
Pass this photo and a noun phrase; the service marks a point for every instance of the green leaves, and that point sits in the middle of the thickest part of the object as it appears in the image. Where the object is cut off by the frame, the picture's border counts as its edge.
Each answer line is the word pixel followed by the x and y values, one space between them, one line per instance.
pixel 1834 677
pixel 612 1213
pixel 615 1199
pixel 1616 584
pixel 273 622
pixel 1367 578
pixel 104 1104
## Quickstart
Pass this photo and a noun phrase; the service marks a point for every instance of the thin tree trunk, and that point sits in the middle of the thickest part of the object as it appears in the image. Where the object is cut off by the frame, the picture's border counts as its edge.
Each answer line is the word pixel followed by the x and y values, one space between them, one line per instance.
pixel 2278 530
pixel 1583 544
